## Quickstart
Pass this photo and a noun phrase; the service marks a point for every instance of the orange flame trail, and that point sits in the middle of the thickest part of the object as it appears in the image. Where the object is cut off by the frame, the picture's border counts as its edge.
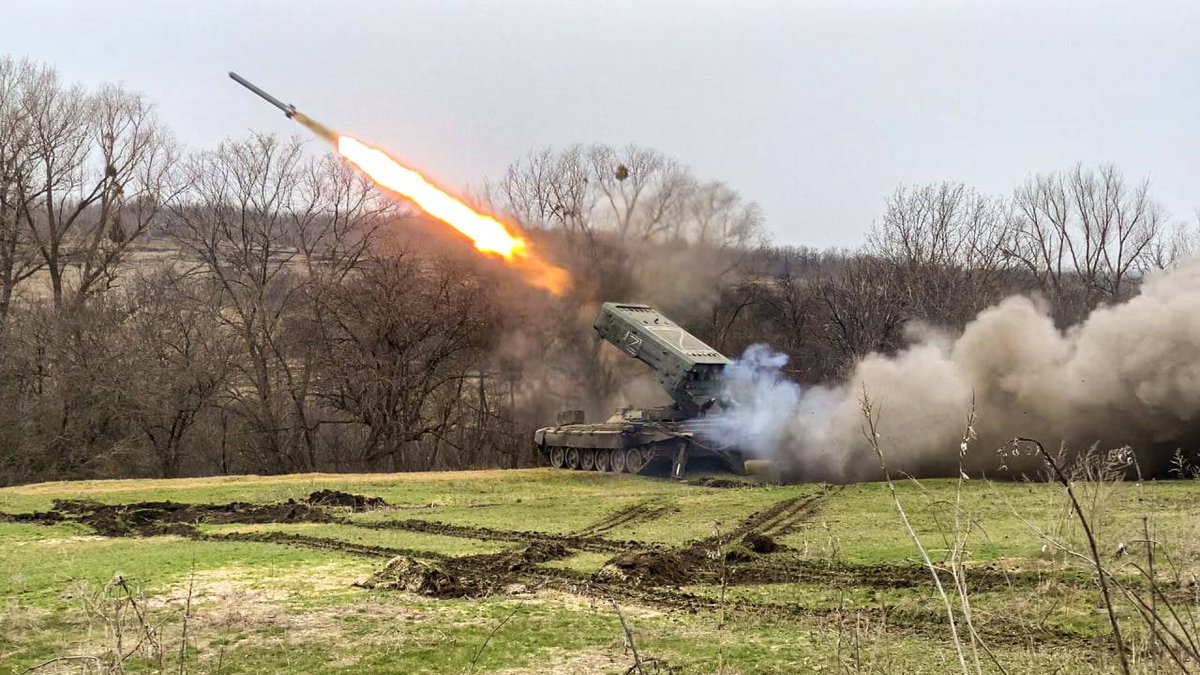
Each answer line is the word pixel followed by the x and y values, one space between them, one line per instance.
pixel 489 235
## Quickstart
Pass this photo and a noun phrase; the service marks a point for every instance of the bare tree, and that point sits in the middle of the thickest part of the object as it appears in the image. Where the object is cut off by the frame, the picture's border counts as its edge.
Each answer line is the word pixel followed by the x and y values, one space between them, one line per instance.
pixel 19 259
pixel 402 340
pixel 645 191
pixel 717 216
pixel 1119 224
pixel 265 225
pixel 1086 233
pixel 632 194
pixel 95 180
pixel 943 243
pixel 1176 243
pixel 62 367
pixel 863 309
pixel 549 190
pixel 178 358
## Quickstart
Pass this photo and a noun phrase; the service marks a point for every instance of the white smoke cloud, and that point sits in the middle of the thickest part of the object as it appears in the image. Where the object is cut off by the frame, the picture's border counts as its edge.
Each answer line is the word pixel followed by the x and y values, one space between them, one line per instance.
pixel 1127 374
pixel 761 397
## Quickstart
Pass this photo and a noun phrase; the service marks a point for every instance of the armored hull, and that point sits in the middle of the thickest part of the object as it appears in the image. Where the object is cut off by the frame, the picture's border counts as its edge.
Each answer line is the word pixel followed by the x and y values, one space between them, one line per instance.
pixel 637 440
pixel 630 442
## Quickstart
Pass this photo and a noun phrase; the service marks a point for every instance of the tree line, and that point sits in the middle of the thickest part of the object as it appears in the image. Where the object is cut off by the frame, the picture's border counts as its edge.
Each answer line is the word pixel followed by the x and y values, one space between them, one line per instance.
pixel 258 307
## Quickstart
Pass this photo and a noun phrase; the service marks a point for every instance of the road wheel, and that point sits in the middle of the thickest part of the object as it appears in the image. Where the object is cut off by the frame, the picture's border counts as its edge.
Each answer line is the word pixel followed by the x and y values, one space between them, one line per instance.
pixel 587 460
pixel 558 457
pixel 604 460
pixel 573 458
pixel 633 460
pixel 617 461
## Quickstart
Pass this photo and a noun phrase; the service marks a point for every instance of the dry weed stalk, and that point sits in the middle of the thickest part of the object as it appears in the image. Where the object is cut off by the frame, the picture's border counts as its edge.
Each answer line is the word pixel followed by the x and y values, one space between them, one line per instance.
pixel 490 635
pixel 93 660
pixel 187 614
pixel 120 606
pixel 957 550
pixel 637 660
pixel 1184 650
pixel 1101 575
pixel 722 551
pixel 871 432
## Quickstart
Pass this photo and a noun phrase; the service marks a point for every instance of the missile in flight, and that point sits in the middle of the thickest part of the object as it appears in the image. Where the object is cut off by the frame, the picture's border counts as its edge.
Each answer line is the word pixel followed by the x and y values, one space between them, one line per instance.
pixel 288 109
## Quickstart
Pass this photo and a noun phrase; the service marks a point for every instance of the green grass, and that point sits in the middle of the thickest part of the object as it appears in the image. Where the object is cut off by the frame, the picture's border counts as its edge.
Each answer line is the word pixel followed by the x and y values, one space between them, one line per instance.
pixel 693 512
pixel 46 582
pixel 584 563
pixel 270 607
pixel 414 491
pixel 390 633
pixel 860 526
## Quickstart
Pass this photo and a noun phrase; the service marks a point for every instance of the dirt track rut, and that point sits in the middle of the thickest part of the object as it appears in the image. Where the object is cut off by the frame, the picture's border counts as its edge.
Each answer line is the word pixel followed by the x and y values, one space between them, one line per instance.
pixel 642 512
pixel 697 563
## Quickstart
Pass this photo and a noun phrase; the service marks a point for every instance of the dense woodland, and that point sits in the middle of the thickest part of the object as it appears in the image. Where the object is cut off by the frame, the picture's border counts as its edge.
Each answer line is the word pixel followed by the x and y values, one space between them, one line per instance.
pixel 258 308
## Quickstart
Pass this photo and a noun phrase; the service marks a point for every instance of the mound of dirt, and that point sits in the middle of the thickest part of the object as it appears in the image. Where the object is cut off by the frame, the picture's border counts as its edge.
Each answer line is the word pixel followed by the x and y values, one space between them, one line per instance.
pixel 416 576
pixel 473 575
pixel 491 571
pixel 154 518
pixel 646 568
pixel 338 498
pixel 39 517
pixel 761 543
pixel 739 553
pixel 545 551
pixel 719 482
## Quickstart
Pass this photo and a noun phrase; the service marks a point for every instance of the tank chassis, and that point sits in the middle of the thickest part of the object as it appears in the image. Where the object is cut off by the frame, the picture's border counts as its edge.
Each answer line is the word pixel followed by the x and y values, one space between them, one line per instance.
pixel 632 440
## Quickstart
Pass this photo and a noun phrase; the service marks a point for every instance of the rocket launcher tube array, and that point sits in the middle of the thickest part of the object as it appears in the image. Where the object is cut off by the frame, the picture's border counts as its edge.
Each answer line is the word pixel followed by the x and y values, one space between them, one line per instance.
pixel 684 366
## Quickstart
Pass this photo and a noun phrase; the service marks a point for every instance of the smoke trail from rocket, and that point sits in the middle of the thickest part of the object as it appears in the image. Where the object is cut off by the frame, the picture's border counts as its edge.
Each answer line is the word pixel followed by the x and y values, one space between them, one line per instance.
pixel 490 236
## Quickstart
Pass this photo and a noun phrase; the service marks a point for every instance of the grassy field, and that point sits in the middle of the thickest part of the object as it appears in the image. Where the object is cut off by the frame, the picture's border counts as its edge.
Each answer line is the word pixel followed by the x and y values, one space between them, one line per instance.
pixel 548 563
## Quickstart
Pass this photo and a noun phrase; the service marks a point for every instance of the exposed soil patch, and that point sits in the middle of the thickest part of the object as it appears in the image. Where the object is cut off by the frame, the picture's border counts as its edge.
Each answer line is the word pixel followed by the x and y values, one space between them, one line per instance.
pixel 646 575
pixel 466 576
pixel 38 517
pixel 154 518
pixel 758 542
pixel 354 502
pixel 145 519
pixel 719 482
pixel 416 576
pixel 650 568
pixel 739 553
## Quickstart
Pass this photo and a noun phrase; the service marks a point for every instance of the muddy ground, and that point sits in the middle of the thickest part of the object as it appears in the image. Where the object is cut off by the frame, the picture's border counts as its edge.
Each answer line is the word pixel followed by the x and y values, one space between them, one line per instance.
pixel 653 575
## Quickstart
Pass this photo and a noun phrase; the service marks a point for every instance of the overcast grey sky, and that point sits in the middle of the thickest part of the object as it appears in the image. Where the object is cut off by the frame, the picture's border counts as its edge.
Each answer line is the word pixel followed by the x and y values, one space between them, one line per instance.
pixel 816 110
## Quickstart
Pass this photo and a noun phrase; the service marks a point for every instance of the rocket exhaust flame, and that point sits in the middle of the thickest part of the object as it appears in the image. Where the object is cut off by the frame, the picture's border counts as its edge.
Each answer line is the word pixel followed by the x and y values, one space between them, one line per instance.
pixel 490 236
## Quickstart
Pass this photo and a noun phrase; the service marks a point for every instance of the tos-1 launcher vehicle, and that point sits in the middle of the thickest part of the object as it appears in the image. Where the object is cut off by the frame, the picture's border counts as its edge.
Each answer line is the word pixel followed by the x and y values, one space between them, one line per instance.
pixel 632 440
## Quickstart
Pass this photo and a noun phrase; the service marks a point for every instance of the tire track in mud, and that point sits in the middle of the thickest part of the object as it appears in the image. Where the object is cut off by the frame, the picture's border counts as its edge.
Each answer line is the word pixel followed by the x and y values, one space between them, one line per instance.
pixel 777 520
pixel 582 542
pixel 496 573
pixel 321 544
pixel 642 512
pixel 996 630
pixel 787 515
pixel 698 564
pixel 790 519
